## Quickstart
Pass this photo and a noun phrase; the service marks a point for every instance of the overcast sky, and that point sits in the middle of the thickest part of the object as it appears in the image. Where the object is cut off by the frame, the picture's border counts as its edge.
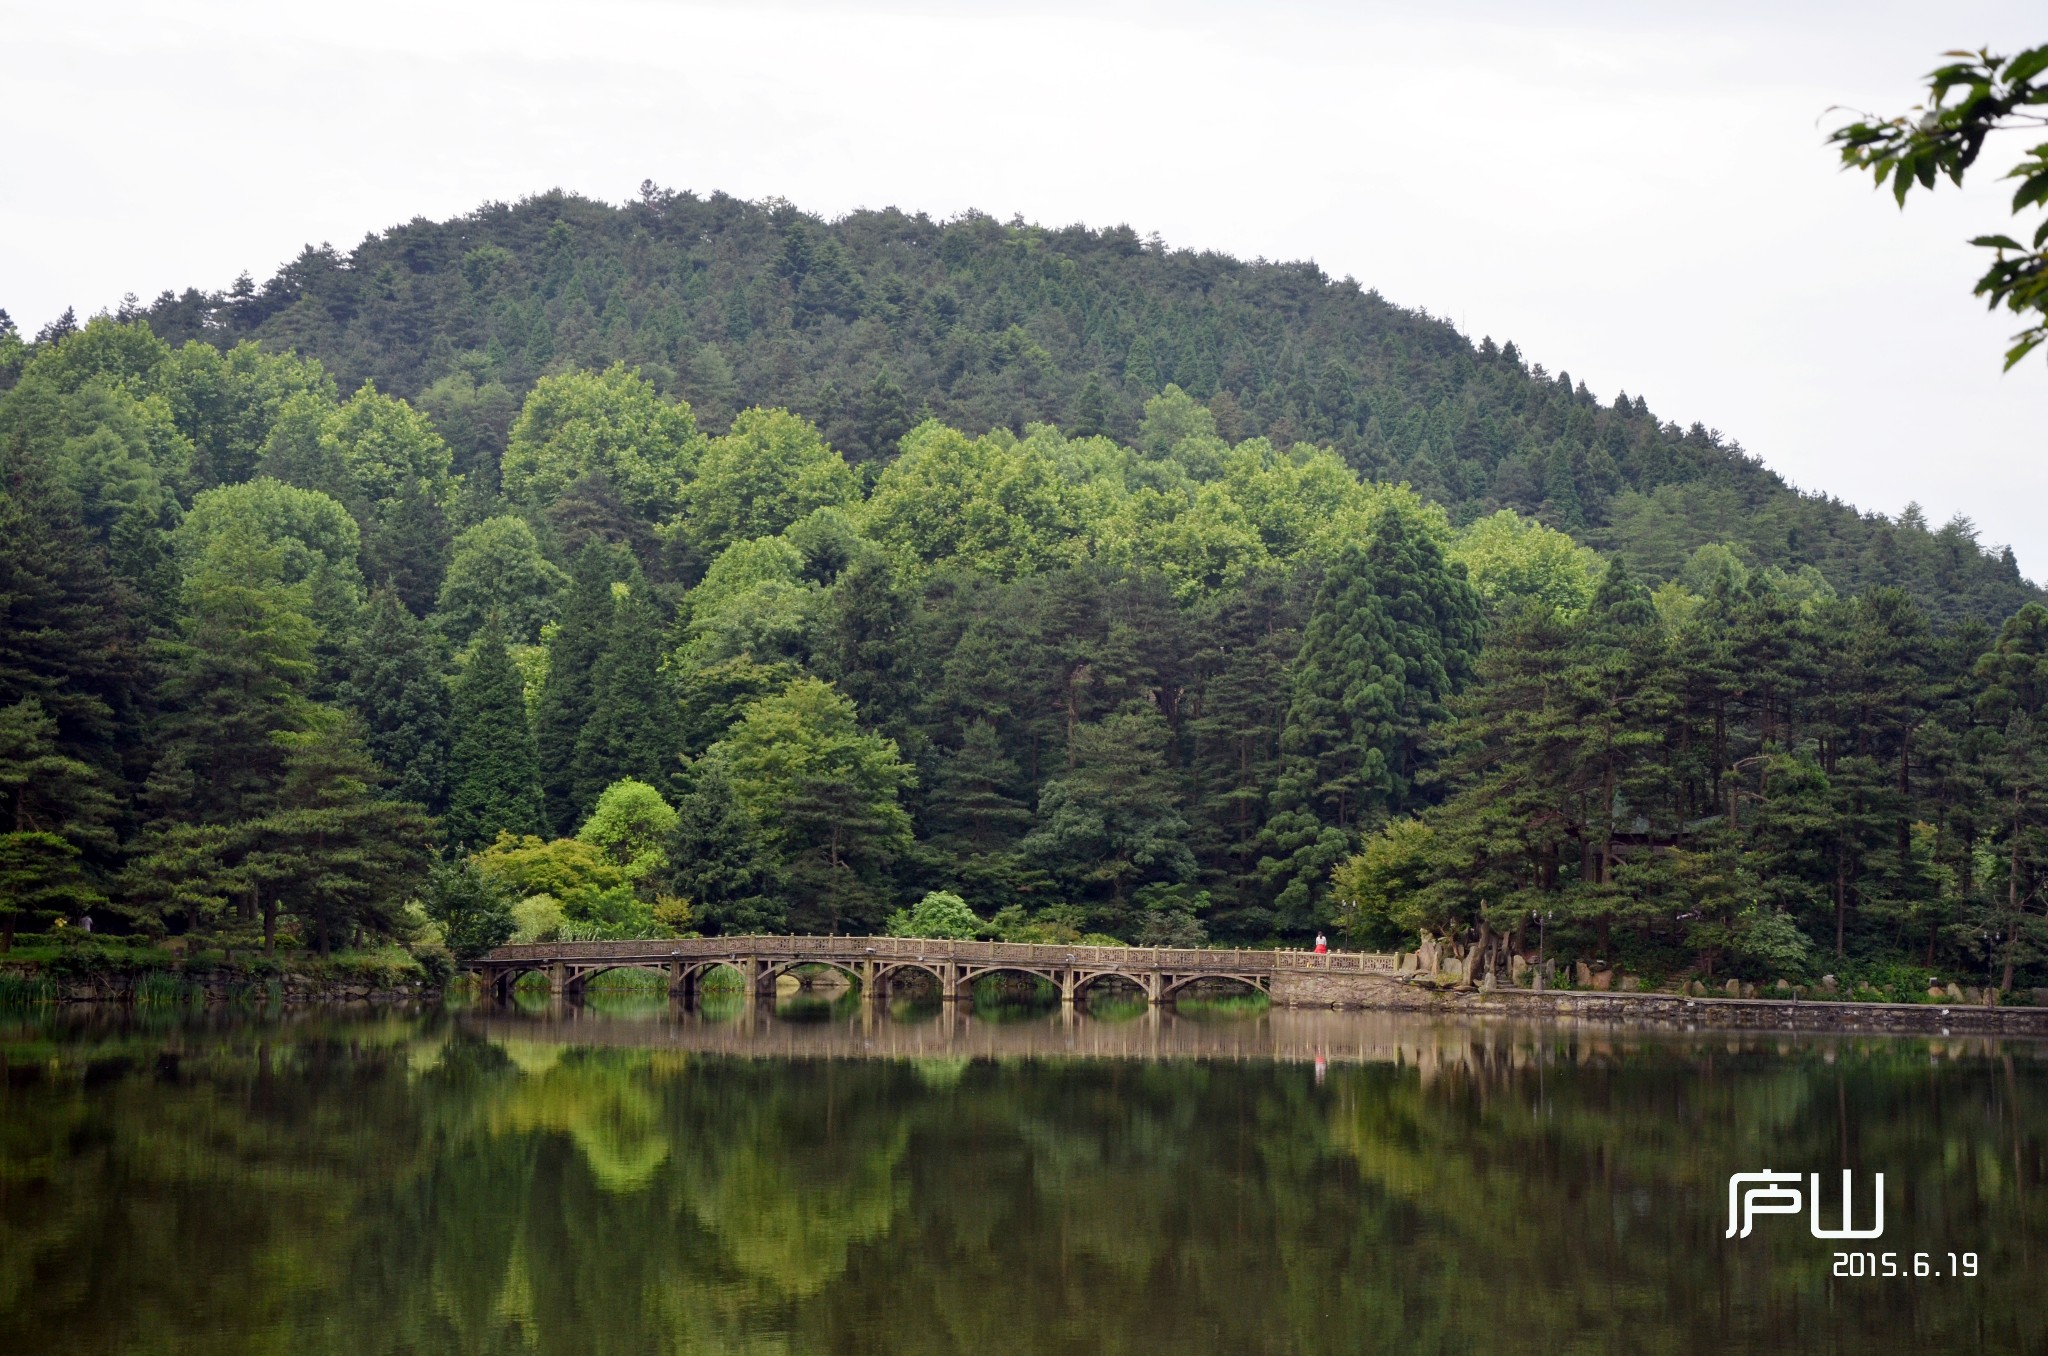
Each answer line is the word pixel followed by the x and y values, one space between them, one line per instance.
pixel 1637 193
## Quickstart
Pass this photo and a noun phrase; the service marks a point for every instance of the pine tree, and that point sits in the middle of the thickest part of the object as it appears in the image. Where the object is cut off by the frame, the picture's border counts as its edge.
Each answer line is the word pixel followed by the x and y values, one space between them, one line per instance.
pixel 569 696
pixel 55 814
pixel 1091 410
pixel 236 677
pixel 863 648
pixel 1390 639
pixel 632 730
pixel 884 419
pixel 407 545
pixel 718 861
pixel 331 847
pixel 65 635
pixel 1114 819
pixel 493 770
pixel 1561 492
pixel 395 687
pixel 975 802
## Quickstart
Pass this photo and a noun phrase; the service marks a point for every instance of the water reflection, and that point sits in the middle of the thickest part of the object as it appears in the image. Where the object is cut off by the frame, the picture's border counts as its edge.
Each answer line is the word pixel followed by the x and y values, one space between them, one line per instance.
pixel 823 1177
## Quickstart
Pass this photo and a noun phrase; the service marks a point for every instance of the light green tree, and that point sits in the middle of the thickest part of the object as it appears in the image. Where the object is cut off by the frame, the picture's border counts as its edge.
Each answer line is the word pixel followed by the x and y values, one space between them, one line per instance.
pixel 498 568
pixel 632 824
pixel 1508 558
pixel 771 470
pixel 613 422
pixel 941 913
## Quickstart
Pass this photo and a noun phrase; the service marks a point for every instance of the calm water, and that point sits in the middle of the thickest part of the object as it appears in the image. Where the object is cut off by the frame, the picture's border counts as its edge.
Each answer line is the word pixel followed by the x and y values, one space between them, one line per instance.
pixel 826 1180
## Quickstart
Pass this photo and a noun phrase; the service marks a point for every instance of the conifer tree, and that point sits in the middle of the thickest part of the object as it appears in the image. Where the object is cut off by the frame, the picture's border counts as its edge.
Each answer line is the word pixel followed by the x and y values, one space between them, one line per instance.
pixel 54 810
pixel 862 650
pixel 976 803
pixel 632 729
pixel 406 546
pixel 1113 821
pixel 396 689
pixel 569 696
pixel 237 675
pixel 494 775
pixel 65 638
pixel 1390 639
pixel 717 859
pixel 331 847
pixel 884 419
pixel 1091 410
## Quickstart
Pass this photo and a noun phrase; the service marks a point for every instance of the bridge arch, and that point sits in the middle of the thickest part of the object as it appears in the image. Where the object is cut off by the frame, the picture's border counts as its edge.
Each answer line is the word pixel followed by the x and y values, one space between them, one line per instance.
pixel 1085 981
pixel 1250 983
pixel 771 973
pixel 580 976
pixel 885 975
pixel 970 973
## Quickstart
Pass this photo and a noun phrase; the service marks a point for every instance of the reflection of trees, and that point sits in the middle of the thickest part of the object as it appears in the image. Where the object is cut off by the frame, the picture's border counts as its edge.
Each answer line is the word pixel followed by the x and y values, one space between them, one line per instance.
pixel 392 1186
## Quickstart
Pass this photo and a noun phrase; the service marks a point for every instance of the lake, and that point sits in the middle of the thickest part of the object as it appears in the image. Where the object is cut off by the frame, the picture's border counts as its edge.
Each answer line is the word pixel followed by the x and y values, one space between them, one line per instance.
pixel 628 1178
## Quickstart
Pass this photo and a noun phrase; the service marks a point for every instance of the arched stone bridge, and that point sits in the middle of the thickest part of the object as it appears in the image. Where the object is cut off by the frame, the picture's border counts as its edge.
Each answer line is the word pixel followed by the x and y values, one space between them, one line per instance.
pixel 876 963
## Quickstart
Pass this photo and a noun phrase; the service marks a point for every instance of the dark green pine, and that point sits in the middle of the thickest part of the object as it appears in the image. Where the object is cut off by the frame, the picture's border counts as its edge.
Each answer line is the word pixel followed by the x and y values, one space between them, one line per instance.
pixel 395 685
pixel 568 698
pixel 493 770
pixel 632 730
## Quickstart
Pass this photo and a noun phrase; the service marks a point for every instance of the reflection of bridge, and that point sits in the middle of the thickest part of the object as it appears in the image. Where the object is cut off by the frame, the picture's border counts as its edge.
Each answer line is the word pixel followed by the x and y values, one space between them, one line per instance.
pixel 878 963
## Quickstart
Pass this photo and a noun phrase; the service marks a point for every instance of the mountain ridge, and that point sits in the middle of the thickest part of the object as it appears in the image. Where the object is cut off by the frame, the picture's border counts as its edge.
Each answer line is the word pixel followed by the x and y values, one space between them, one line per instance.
pixel 862 322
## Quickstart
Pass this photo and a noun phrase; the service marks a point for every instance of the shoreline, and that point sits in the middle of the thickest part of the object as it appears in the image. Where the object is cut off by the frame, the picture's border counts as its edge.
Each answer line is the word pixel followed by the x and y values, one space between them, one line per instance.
pixel 1667 1011
pixel 1345 993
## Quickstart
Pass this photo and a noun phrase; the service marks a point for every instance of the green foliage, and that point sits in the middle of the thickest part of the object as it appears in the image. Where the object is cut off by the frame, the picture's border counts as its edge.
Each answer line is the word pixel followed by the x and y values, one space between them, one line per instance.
pixel 941 913
pixel 1968 100
pixel 772 469
pixel 498 569
pixel 474 911
pixel 631 730
pixel 1112 821
pixel 1391 639
pixel 1154 675
pixel 567 697
pixel 396 686
pixel 612 422
pixel 569 889
pixel 717 861
pixel 329 847
pixel 633 824
pixel 315 540
pixel 1510 559
pixel 493 771
pixel 576 874
pixel 823 795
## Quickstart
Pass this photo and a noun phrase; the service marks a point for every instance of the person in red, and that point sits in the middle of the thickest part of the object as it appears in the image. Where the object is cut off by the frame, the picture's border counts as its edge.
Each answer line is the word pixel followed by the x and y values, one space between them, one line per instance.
pixel 1322 944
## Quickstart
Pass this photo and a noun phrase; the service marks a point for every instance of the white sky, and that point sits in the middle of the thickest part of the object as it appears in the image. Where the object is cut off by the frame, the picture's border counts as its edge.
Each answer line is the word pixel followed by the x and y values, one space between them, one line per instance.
pixel 1634 192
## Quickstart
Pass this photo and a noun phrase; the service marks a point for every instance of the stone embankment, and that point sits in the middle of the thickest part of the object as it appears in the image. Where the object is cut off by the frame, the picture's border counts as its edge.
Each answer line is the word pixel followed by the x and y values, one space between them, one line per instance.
pixel 1409 991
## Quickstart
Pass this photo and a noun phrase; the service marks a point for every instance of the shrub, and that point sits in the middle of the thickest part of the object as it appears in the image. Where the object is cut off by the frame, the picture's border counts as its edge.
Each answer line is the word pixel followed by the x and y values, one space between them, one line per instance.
pixel 940 913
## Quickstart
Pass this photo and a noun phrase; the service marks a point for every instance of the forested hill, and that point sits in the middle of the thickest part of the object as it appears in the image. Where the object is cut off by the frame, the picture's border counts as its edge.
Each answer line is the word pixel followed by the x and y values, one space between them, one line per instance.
pixel 865 323
pixel 474 588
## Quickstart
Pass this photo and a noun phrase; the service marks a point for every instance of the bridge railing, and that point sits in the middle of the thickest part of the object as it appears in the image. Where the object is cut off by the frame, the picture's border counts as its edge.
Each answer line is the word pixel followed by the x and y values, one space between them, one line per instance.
pixel 927 949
